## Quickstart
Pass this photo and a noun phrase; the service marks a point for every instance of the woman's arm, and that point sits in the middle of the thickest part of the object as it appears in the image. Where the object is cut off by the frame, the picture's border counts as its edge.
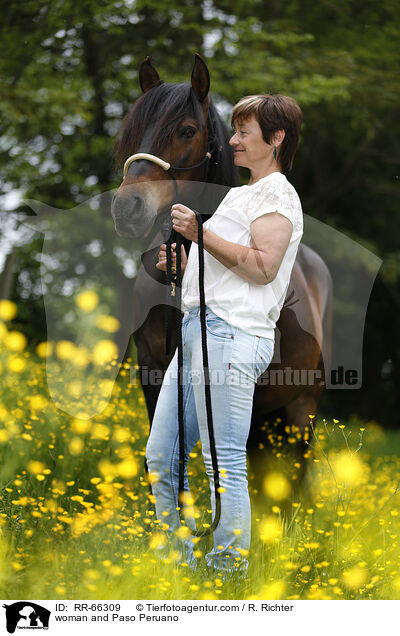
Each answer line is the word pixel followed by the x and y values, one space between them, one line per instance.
pixel 257 264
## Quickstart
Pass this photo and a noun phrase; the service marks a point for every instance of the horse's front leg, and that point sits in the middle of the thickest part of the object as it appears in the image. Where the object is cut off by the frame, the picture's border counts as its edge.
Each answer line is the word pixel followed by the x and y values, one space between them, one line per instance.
pixel 149 373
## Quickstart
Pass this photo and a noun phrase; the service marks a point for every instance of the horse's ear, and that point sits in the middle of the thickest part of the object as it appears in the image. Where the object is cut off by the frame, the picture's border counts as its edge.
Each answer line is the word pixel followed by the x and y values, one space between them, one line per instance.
pixel 148 76
pixel 200 78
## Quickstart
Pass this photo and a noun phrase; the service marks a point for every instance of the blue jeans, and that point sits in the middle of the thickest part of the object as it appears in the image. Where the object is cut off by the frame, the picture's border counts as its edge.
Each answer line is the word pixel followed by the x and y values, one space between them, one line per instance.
pixel 236 360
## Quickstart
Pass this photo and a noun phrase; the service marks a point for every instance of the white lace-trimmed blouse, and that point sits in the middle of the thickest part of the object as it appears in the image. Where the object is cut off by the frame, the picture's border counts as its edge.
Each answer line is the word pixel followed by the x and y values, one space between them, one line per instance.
pixel 252 307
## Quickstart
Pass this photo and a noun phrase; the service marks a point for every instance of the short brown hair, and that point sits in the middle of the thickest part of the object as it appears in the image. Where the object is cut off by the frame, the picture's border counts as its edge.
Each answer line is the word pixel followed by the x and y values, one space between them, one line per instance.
pixel 273 112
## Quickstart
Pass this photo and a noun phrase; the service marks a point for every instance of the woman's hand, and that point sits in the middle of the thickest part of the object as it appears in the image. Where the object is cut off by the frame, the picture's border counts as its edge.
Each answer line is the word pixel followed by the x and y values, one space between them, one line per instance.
pixel 162 258
pixel 184 221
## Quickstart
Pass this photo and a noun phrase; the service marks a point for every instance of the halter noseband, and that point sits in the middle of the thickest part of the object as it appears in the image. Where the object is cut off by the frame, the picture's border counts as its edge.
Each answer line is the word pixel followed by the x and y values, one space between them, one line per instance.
pixel 163 164
pixel 145 155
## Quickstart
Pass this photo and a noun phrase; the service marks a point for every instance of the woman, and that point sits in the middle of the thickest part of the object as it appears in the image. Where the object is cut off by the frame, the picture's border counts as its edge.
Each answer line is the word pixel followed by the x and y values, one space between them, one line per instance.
pixel 250 245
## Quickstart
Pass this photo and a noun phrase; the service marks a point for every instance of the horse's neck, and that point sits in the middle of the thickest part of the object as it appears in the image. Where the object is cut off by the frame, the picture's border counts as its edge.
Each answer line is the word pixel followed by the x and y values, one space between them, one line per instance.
pixel 205 203
pixel 209 199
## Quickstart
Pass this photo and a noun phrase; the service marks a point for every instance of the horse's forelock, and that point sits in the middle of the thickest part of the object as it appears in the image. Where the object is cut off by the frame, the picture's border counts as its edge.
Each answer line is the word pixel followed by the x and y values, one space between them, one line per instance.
pixel 178 103
pixel 161 109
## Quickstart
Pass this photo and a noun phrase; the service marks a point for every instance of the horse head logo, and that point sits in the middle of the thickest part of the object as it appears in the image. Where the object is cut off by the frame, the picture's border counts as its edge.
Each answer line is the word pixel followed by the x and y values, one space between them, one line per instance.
pixel 26 614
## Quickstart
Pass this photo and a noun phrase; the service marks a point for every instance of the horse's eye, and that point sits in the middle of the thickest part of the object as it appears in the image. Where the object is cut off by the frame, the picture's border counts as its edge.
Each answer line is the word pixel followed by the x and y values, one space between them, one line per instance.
pixel 187 132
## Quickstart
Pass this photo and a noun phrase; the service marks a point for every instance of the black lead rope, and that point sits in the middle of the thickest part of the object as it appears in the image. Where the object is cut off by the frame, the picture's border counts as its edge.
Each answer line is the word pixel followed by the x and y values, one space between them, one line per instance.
pixel 211 148
pixel 170 287
pixel 205 531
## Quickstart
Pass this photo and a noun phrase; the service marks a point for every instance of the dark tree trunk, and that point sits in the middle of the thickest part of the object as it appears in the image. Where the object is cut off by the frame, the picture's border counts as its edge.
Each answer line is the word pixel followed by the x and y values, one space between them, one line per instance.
pixel 7 276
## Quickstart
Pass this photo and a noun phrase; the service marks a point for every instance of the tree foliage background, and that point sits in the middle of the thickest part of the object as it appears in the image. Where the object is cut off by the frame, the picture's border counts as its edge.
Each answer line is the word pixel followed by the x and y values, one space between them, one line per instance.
pixel 69 73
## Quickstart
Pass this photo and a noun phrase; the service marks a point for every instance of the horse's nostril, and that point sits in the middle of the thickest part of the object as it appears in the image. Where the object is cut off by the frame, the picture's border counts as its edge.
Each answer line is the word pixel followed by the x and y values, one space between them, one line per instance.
pixel 138 204
pixel 126 208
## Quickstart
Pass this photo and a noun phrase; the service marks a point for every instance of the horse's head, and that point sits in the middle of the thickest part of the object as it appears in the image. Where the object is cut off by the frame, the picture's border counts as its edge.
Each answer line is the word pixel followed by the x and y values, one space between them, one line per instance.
pixel 177 124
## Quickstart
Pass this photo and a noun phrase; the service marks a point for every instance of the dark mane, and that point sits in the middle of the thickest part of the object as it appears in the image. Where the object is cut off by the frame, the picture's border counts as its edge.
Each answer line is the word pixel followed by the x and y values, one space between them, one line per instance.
pixel 222 168
pixel 162 108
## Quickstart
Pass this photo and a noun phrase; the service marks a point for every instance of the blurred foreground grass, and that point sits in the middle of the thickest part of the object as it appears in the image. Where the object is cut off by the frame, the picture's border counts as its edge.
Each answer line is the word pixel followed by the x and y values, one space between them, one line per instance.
pixel 76 516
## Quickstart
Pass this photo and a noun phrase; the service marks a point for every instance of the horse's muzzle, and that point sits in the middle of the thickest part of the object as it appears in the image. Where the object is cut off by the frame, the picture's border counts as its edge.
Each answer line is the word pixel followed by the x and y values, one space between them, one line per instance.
pixel 127 212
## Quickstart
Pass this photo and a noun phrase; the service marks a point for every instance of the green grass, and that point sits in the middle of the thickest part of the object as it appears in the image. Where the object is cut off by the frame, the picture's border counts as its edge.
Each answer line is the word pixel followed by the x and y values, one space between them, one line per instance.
pixel 77 518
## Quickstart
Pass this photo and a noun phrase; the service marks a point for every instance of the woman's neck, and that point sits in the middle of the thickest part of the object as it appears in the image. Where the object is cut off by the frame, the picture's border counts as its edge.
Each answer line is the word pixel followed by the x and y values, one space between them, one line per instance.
pixel 257 175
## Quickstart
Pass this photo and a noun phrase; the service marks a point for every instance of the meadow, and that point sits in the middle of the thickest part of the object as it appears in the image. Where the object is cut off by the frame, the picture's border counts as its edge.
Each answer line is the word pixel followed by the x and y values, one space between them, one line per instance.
pixel 77 518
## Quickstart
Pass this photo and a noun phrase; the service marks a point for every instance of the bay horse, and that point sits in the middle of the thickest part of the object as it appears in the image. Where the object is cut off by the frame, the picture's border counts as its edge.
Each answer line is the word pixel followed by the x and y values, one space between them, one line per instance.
pixel 179 124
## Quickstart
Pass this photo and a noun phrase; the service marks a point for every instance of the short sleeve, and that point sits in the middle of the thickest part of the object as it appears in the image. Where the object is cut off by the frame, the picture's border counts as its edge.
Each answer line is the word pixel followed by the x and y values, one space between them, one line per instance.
pixel 271 197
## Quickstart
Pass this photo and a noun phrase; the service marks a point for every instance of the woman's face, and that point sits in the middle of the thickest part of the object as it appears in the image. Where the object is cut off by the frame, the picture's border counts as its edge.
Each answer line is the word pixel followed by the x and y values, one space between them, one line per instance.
pixel 249 145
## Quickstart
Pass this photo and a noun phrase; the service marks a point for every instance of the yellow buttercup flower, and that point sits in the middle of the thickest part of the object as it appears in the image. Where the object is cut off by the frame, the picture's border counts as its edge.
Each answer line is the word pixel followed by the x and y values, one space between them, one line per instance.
pixel 107 323
pixel 4 435
pixel 106 468
pixel 76 446
pixel 274 590
pixel 121 434
pixel 270 529
pixel 80 425
pixel 355 577
pixel 153 478
pixel 17 566
pixel 92 574
pixel 157 540
pixel 81 357
pixel 35 467
pixel 106 387
pixel 349 469
pixel 15 341
pixel 276 486
pixel 128 468
pixel 183 532
pixel 100 431
pixel 87 300
pixel 37 402
pixel 104 351
pixel 74 388
pixel 16 364
pixel 271 591
pixel 44 349
pixel 65 350
pixel 8 309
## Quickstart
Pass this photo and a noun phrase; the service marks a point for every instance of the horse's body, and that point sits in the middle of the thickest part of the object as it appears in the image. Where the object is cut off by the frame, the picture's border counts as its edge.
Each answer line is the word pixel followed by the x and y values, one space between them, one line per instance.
pixel 303 329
